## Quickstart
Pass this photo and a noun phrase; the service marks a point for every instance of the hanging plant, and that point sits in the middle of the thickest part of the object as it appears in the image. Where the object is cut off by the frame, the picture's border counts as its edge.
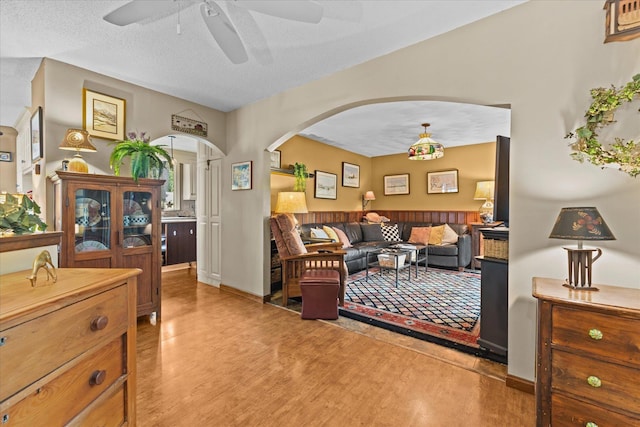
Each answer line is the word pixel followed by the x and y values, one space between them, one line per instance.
pixel 624 154
pixel 300 173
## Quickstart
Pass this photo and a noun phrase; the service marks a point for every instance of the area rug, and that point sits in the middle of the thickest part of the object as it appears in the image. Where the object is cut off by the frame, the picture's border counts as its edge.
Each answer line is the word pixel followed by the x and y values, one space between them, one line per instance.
pixel 440 306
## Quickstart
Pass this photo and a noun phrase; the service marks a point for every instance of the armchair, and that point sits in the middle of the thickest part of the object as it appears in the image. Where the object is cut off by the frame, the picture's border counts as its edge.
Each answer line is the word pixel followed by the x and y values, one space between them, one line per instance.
pixel 296 259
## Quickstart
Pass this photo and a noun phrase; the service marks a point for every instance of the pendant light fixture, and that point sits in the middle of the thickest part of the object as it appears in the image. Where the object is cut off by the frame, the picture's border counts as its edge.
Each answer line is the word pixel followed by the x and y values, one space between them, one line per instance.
pixel 173 159
pixel 426 148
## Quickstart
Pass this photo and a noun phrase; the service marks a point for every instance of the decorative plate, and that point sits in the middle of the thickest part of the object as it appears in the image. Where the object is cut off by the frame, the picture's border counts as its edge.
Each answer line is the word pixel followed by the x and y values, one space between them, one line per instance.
pixel 134 241
pixel 88 208
pixel 131 207
pixel 90 245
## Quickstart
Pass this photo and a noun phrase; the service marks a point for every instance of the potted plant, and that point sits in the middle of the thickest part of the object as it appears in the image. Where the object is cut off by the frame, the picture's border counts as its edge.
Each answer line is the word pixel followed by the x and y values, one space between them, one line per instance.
pixel 19 214
pixel 300 173
pixel 147 161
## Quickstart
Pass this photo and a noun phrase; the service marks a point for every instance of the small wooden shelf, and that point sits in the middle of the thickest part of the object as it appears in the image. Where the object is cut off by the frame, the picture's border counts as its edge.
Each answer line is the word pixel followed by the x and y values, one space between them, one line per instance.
pixel 288 172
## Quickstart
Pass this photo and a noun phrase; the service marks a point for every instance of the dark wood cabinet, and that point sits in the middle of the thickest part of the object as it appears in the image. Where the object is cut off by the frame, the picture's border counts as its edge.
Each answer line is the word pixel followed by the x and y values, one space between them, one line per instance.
pixel 111 222
pixel 180 242
pixel 477 246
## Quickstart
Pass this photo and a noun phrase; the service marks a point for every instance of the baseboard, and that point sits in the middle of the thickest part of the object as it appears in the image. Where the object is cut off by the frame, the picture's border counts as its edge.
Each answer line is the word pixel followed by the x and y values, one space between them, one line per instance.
pixel 182 266
pixel 238 292
pixel 520 384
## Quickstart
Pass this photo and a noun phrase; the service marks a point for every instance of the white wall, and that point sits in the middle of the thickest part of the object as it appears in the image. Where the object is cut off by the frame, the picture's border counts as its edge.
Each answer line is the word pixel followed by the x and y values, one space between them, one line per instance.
pixel 542 58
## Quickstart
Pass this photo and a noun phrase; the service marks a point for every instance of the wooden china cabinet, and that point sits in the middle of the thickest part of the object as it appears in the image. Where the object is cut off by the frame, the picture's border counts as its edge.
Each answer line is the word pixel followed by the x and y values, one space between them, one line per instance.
pixel 112 222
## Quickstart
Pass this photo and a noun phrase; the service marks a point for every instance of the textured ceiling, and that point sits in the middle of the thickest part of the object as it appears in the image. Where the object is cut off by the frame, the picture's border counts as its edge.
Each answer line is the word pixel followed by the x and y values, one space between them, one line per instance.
pixel 282 53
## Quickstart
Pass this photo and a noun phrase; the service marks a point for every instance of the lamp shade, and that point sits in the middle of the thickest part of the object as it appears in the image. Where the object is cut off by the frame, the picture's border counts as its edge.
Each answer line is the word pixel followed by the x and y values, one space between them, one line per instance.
pixel 484 190
pixel 77 140
pixel 369 195
pixel 426 148
pixel 291 202
pixel 581 224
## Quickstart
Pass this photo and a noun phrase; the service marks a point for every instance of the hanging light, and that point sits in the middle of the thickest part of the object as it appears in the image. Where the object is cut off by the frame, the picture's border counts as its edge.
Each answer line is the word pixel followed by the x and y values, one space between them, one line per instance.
pixel 426 148
pixel 173 159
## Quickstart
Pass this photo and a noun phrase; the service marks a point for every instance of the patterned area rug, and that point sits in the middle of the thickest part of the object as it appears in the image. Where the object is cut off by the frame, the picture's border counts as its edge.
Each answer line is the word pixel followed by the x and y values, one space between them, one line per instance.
pixel 439 305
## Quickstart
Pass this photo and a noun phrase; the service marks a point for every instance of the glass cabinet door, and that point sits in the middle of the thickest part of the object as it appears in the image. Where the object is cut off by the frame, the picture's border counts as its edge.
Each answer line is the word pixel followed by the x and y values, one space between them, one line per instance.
pixel 92 220
pixel 136 220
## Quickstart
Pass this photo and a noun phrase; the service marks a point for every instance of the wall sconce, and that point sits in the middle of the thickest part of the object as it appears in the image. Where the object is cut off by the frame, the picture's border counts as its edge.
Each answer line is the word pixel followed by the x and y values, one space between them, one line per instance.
pixel 366 198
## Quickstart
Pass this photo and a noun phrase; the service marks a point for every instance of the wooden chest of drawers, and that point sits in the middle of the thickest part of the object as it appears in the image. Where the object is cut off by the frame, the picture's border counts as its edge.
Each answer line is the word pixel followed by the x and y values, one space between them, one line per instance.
pixel 67 349
pixel 588 361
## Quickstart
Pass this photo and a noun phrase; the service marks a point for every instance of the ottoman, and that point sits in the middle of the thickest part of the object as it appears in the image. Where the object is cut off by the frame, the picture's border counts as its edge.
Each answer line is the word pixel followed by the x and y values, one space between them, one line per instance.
pixel 319 289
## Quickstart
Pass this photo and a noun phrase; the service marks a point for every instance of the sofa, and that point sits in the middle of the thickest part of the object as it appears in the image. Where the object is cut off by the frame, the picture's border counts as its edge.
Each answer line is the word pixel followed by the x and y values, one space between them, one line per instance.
pixel 364 238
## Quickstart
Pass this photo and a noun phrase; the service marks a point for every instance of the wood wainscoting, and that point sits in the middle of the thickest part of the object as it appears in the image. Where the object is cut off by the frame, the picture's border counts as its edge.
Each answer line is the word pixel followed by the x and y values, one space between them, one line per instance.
pixel 436 217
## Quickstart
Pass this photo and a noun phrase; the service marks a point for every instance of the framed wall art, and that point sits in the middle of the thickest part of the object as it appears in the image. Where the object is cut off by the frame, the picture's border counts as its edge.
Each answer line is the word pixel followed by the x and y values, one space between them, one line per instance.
pixel 103 116
pixel 276 159
pixel 326 185
pixel 350 175
pixel 6 156
pixel 36 135
pixel 241 175
pixel 442 182
pixel 396 184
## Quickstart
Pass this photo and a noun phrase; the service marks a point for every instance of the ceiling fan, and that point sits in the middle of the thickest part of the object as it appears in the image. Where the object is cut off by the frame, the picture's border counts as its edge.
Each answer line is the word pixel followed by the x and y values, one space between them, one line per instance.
pixel 217 21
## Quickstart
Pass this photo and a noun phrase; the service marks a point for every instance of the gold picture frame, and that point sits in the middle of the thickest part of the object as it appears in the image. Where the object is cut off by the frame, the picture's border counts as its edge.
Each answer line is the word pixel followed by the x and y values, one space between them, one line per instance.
pixel 103 116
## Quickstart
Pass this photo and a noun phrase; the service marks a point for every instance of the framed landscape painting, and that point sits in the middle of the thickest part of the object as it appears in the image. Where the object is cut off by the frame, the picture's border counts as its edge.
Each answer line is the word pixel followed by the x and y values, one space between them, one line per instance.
pixel 350 175
pixel 326 185
pixel 396 184
pixel 241 178
pixel 442 182
pixel 103 115
pixel 36 135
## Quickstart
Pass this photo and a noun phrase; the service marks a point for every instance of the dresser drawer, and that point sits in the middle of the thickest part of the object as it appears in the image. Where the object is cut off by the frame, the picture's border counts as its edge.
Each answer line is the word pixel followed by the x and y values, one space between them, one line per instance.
pixel 597 333
pixel 109 413
pixel 570 412
pixel 57 402
pixel 34 349
pixel 619 386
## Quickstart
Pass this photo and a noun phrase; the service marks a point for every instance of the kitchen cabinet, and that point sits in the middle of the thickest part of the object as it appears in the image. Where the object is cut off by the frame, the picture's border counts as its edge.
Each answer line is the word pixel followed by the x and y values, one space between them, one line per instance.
pixel 189 183
pixel 111 222
pixel 180 242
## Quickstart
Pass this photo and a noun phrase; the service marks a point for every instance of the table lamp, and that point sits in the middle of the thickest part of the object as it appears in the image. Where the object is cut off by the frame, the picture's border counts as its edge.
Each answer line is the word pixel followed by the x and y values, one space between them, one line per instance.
pixel 292 202
pixel 78 140
pixel 484 191
pixel 581 224
pixel 366 198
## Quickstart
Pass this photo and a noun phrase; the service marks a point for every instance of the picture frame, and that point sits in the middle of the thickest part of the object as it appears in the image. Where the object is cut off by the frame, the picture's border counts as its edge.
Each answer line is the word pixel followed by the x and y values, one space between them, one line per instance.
pixel 350 175
pixel 6 156
pixel 442 182
pixel 326 185
pixel 36 135
pixel 241 175
pixel 396 184
pixel 103 116
pixel 276 157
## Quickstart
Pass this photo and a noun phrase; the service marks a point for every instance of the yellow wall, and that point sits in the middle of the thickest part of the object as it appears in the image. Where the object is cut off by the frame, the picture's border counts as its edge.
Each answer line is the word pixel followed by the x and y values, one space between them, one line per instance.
pixel 474 163
pixel 8 169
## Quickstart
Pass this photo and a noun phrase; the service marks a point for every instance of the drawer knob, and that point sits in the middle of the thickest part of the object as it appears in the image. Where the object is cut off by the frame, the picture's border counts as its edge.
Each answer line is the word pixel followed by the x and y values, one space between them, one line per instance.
pixel 595 334
pixel 594 381
pixel 591 424
pixel 99 323
pixel 97 377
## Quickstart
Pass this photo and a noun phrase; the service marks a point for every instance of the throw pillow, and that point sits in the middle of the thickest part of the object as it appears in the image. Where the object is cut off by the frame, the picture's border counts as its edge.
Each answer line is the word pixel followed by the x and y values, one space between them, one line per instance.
pixel 332 234
pixel 390 233
pixel 420 235
pixel 437 233
pixel 319 233
pixel 450 237
pixel 343 238
pixel 372 233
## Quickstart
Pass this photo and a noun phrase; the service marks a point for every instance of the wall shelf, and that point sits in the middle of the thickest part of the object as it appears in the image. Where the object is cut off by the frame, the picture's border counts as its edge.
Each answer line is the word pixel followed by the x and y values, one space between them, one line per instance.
pixel 288 172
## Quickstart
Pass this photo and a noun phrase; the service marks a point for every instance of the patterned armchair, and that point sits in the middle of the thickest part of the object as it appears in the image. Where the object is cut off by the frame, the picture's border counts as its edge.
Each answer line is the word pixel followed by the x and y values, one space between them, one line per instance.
pixel 296 257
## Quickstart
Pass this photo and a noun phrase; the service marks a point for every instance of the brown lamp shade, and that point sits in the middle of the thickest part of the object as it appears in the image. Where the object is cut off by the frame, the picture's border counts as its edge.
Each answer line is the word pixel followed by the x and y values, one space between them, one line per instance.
pixel 581 224
pixel 77 140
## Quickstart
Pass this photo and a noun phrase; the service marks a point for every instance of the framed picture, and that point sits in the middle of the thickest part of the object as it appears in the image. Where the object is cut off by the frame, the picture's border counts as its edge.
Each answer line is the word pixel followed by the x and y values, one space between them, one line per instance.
pixel 241 178
pixel 396 184
pixel 275 159
pixel 350 175
pixel 5 156
pixel 326 185
pixel 442 182
pixel 36 135
pixel 103 115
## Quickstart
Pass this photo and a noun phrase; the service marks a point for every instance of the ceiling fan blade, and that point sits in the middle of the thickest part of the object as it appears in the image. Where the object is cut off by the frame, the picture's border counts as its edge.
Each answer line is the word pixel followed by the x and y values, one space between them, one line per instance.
pixel 254 39
pixel 139 10
pixel 299 10
pixel 223 32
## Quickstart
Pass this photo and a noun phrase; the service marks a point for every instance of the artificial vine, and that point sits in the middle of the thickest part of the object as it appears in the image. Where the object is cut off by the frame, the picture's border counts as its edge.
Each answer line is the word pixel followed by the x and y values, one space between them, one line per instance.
pixel 300 173
pixel 626 154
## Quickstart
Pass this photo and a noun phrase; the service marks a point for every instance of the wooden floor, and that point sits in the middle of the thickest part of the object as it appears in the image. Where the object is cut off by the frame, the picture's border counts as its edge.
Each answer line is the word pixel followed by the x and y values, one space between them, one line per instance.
pixel 217 359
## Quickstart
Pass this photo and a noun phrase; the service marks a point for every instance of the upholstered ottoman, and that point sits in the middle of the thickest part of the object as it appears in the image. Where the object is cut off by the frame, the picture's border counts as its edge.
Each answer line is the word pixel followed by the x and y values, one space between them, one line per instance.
pixel 320 290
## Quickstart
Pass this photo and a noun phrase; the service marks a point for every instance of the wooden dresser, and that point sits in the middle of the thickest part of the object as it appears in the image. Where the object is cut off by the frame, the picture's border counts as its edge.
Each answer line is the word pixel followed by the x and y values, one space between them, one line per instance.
pixel 588 361
pixel 68 349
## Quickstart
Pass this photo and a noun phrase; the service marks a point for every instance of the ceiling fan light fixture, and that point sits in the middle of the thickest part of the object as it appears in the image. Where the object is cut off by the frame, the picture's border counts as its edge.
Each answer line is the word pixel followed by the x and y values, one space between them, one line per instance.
pixel 426 148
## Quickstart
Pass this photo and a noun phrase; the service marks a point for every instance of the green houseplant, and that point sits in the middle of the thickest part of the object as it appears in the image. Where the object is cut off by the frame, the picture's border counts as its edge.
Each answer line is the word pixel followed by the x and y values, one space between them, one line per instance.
pixel 300 174
pixel 19 214
pixel 146 161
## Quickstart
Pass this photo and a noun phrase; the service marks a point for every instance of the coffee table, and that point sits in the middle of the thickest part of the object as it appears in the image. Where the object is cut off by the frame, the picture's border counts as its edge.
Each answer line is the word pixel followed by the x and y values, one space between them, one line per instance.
pixel 420 251
pixel 395 253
